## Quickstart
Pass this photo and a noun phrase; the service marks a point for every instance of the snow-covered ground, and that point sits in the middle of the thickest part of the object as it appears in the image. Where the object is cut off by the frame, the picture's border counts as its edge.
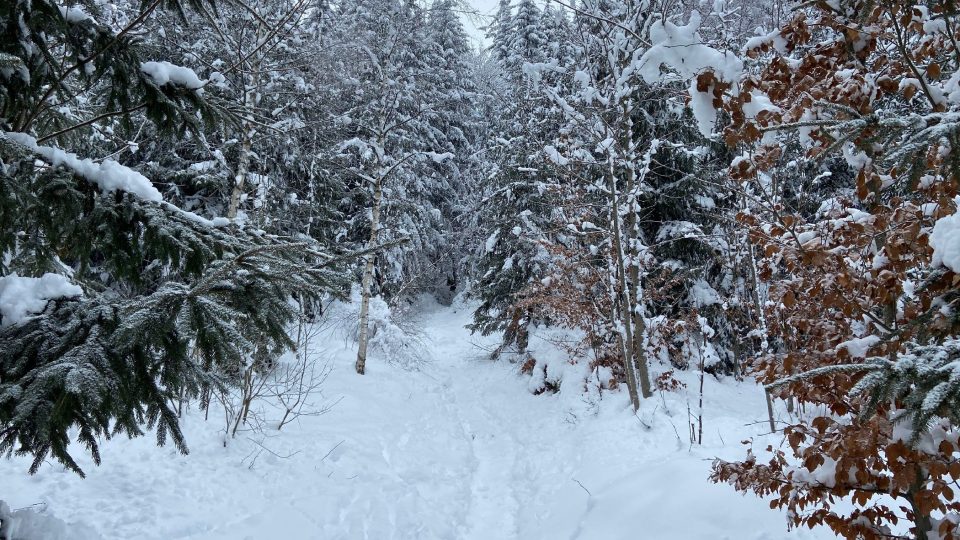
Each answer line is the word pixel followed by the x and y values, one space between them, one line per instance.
pixel 457 450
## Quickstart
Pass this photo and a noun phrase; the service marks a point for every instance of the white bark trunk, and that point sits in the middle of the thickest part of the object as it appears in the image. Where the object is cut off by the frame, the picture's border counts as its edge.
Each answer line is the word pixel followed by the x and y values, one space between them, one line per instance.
pixel 247 132
pixel 367 281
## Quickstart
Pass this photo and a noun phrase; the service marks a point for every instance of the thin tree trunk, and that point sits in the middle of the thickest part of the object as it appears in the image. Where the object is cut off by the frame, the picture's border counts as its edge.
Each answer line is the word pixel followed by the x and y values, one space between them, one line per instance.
pixel 639 347
pixel 243 167
pixel 736 337
pixel 754 279
pixel 206 401
pixel 632 238
pixel 921 517
pixel 703 346
pixel 247 131
pixel 366 284
pixel 737 347
pixel 626 306
pixel 773 425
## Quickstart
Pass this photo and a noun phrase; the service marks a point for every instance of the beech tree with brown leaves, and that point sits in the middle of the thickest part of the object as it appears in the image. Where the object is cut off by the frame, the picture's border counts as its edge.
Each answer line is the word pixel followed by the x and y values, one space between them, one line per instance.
pixel 864 289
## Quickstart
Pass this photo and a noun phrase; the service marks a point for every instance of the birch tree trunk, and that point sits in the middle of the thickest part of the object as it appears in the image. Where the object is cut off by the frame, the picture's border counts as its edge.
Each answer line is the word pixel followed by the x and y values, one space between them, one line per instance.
pixel 367 281
pixel 247 132
pixel 243 168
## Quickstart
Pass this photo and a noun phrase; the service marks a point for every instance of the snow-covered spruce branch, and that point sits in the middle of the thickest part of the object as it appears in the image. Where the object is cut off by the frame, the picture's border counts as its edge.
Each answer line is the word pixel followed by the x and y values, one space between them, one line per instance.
pixel 250 255
pixel 925 379
pixel 353 255
pixel 858 124
pixel 826 370
pixel 91 121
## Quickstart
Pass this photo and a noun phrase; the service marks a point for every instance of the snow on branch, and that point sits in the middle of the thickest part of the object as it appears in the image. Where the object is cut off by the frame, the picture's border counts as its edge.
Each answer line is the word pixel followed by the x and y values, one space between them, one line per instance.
pixel 166 73
pixel 554 155
pixel 825 370
pixel 924 379
pixel 945 241
pixel 681 49
pixel 21 297
pixel 75 14
pixel 439 158
pixel 108 174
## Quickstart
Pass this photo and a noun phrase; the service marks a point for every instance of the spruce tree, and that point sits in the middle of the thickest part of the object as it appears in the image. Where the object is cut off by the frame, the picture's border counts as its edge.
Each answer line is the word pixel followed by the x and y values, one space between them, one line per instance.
pixel 520 197
pixel 500 31
pixel 457 127
pixel 126 300
pixel 527 42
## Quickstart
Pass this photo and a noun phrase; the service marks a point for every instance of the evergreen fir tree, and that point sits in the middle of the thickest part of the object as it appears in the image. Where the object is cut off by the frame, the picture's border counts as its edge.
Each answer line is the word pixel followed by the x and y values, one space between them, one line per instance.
pixel 457 129
pixel 130 301
pixel 520 198
pixel 527 42
pixel 500 32
pixel 557 35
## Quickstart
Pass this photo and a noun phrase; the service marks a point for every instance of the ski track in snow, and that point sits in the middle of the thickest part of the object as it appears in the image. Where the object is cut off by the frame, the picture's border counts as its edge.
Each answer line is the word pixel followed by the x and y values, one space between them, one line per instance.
pixel 457 450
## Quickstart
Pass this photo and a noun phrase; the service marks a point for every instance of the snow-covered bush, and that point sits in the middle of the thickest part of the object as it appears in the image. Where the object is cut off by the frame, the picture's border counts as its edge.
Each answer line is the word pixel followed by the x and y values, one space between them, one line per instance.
pixel 394 333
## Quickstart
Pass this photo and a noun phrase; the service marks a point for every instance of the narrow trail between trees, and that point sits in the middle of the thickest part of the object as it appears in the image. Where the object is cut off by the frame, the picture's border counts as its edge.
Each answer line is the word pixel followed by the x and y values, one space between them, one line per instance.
pixel 457 449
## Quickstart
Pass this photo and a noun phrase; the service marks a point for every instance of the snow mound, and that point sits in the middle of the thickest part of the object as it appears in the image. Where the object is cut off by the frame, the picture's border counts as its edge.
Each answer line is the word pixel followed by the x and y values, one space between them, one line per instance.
pixel 30 524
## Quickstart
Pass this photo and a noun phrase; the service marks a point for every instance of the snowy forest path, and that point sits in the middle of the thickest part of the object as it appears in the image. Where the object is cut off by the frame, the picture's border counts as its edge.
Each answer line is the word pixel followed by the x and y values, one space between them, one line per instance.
pixel 493 505
pixel 458 449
